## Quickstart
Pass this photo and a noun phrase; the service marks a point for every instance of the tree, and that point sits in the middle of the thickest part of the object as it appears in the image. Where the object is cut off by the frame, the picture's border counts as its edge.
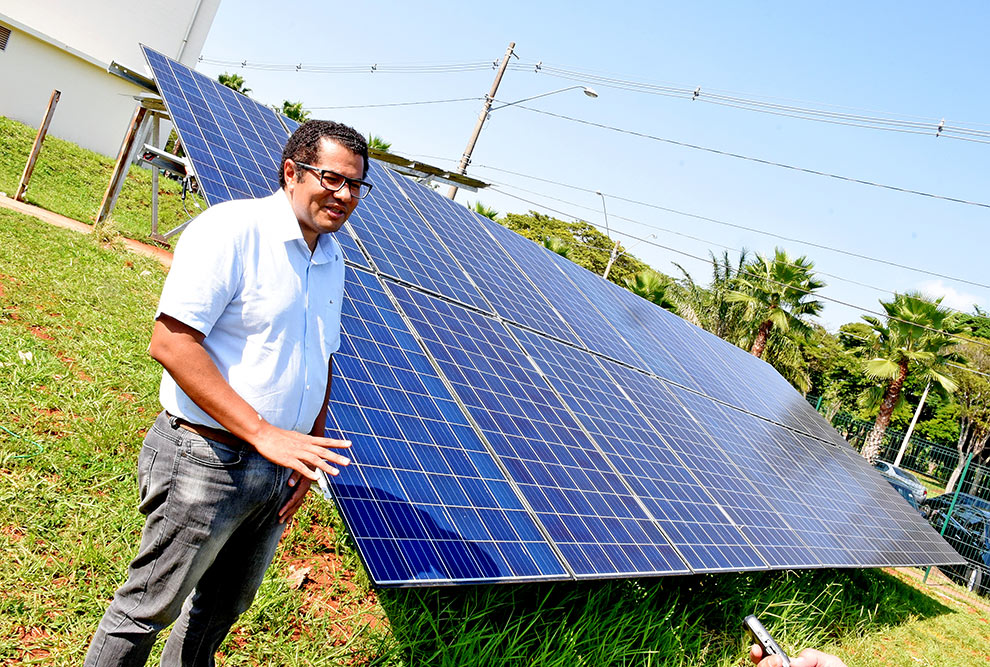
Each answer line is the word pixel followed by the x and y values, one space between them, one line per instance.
pixel 558 245
pixel 376 143
pixel 234 82
pixel 708 307
pixel 973 405
pixel 295 111
pixel 917 332
pixel 486 211
pixel 589 247
pixel 777 293
pixel 654 287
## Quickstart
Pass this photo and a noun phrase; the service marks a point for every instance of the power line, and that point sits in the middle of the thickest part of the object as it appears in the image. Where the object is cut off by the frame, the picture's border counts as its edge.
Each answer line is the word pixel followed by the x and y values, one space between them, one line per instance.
pixel 396 104
pixel 927 126
pixel 755 230
pixel 738 156
pixel 371 68
pixel 803 111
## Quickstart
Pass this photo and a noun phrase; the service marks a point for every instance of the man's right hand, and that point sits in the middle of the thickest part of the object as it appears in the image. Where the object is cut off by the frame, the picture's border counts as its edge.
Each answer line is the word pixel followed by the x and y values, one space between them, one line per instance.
pixel 303 453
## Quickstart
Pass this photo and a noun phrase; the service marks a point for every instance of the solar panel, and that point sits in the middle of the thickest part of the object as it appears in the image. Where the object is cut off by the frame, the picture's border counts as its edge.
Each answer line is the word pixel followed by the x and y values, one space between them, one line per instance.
pixel 517 418
pixel 403 246
pixel 234 143
pixel 706 538
pixel 598 524
pixel 513 294
pixel 424 499
pixel 593 330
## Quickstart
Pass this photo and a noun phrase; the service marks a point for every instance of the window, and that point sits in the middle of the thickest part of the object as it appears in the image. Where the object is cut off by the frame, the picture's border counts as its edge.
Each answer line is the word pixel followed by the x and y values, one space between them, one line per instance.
pixel 4 35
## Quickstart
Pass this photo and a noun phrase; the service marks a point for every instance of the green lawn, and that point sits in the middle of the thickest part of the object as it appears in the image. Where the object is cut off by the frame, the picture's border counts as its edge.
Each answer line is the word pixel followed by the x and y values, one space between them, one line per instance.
pixel 71 181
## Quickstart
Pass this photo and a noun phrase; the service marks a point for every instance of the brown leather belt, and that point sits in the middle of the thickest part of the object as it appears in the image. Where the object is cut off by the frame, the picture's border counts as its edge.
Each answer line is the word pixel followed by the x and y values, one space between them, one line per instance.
pixel 216 434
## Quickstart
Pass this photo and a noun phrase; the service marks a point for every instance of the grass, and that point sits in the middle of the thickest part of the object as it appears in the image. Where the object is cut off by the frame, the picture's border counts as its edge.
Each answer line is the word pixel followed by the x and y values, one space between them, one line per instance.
pixel 71 181
pixel 77 392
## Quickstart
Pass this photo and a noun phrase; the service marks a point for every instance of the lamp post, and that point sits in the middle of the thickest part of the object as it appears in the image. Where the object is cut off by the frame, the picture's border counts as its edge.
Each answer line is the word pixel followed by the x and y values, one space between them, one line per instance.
pixel 486 109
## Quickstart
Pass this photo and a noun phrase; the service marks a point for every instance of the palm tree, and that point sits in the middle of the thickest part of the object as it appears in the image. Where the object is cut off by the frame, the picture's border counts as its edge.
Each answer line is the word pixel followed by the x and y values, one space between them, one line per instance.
pixel 486 211
pixel 777 293
pixel 234 82
pixel 295 111
pixel 654 287
pixel 707 307
pixel 918 332
pixel 558 245
pixel 376 143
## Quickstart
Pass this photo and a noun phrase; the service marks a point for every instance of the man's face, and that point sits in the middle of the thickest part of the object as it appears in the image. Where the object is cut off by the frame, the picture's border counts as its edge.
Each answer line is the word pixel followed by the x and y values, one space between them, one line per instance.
pixel 317 209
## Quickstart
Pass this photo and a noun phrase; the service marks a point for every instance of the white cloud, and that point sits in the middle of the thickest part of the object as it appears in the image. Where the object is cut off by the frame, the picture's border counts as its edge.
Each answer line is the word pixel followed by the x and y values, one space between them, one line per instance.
pixel 952 297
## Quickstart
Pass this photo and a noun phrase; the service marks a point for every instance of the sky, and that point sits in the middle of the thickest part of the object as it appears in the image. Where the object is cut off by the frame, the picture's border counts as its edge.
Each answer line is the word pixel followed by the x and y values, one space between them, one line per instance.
pixel 663 170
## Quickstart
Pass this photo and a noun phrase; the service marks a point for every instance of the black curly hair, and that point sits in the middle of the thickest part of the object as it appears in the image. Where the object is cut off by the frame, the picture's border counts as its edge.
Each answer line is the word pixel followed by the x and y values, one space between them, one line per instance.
pixel 304 144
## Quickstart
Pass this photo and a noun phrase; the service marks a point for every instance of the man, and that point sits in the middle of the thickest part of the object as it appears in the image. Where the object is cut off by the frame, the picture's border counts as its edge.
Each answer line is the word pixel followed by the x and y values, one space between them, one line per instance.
pixel 247 323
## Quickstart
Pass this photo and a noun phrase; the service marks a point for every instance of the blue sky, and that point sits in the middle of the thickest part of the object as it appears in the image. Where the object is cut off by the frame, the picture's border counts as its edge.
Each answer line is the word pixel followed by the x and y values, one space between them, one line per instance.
pixel 908 60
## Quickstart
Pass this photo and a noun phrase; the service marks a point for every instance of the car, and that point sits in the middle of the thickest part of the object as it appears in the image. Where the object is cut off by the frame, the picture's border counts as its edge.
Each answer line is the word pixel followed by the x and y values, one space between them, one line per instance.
pixel 943 502
pixel 906 492
pixel 968 532
pixel 890 471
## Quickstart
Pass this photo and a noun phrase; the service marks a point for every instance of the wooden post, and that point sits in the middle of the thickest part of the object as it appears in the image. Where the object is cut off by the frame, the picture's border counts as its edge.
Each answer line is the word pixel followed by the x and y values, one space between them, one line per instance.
pixel 154 179
pixel 36 148
pixel 123 163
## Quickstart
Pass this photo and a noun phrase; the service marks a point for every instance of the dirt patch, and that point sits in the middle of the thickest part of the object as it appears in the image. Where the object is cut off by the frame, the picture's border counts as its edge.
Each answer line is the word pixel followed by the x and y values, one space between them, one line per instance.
pixel 329 590
pixel 32 640
pixel 13 533
pixel 41 333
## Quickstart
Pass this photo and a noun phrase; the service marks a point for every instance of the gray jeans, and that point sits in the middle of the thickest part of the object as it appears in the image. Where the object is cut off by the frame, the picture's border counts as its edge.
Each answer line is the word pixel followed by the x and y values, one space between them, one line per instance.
pixel 210 532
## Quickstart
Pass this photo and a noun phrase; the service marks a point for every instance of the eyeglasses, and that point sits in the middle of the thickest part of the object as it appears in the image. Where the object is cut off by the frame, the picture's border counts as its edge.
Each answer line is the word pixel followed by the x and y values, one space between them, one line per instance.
pixel 332 181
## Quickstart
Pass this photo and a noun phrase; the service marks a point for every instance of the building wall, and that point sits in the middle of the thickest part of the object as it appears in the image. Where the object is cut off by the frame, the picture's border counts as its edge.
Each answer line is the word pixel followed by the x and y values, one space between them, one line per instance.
pixel 67 45
pixel 94 109
pixel 110 30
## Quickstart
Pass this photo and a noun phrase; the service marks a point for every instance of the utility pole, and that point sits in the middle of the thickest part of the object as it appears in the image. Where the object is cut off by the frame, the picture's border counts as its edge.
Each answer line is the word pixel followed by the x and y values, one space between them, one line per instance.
pixel 466 157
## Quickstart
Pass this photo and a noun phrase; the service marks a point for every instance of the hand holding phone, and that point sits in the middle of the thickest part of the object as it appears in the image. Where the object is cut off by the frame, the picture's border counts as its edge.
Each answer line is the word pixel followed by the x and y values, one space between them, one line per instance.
pixel 766 642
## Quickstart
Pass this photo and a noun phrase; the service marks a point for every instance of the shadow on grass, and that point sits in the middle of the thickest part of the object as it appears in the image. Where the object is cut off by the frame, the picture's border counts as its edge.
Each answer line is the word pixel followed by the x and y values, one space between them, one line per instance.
pixel 670 621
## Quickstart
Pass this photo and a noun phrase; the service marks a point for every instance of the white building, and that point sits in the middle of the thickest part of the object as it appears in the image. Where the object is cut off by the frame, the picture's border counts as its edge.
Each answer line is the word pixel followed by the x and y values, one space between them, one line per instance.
pixel 68 44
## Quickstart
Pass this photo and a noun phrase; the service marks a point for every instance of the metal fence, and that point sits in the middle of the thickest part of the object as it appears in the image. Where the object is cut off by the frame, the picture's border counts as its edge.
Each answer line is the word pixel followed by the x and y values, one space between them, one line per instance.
pixel 961 514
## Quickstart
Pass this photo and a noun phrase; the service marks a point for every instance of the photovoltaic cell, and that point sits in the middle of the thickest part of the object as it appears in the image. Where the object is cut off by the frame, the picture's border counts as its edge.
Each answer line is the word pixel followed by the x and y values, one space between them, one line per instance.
pixel 425 501
pixel 706 460
pixel 233 142
pixel 513 295
pixel 403 246
pixel 590 514
pixel 690 517
pixel 593 330
pixel 844 515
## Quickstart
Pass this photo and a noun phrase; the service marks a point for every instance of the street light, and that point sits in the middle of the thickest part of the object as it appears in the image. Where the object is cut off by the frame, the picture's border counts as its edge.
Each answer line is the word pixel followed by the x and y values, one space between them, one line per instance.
pixel 486 109
pixel 615 255
pixel 587 91
pixel 615 249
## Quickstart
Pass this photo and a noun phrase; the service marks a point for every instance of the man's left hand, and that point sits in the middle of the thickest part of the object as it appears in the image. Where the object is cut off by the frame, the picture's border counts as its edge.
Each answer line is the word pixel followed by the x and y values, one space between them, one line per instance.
pixel 302 485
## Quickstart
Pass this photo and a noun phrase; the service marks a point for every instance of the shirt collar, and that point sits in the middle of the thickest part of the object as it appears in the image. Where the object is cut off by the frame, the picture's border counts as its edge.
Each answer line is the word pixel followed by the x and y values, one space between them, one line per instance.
pixel 286 228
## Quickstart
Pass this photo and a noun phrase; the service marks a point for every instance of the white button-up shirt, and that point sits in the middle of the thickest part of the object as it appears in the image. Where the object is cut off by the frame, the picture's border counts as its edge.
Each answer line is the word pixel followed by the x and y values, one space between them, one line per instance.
pixel 243 276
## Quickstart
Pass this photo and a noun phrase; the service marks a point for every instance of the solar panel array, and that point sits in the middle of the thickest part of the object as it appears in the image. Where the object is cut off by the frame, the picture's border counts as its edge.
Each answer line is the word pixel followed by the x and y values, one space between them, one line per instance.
pixel 517 418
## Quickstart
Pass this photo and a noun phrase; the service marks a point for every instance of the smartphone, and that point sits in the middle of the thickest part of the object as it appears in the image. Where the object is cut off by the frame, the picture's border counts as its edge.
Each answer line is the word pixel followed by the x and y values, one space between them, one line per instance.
pixel 763 638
